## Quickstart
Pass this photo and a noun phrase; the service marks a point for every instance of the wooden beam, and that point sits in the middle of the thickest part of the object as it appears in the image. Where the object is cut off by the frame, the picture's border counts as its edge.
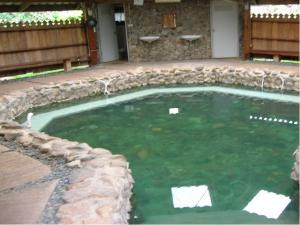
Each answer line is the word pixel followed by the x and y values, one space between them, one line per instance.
pixel 247 33
pixel 41 1
pixel 38 8
pixel 280 53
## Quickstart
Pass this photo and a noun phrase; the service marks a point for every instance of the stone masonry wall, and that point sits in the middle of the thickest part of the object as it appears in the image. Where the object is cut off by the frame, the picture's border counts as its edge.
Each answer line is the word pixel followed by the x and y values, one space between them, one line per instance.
pixel 192 18
pixel 102 186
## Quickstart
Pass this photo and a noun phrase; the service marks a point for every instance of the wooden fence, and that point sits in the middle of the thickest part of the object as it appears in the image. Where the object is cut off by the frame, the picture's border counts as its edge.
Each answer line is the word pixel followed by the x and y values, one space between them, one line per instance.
pixel 30 45
pixel 272 35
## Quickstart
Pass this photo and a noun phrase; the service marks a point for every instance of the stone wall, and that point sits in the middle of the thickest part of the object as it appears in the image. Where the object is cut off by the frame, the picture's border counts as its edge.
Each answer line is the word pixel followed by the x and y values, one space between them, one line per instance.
pixel 192 18
pixel 101 189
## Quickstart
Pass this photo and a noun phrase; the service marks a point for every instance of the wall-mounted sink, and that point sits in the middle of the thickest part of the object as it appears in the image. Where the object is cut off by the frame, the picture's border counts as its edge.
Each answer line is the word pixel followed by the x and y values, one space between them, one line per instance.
pixel 149 39
pixel 190 37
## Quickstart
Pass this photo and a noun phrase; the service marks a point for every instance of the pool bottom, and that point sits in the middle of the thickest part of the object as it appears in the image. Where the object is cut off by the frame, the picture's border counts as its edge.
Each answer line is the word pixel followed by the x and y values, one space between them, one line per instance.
pixel 211 141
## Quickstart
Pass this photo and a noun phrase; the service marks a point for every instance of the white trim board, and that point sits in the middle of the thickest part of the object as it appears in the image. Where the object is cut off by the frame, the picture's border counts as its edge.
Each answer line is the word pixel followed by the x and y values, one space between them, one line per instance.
pixel 39 121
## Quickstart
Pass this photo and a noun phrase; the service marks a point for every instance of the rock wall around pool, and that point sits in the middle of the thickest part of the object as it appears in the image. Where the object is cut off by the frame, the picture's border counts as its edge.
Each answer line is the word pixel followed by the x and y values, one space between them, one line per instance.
pixel 19 102
pixel 102 186
pixel 296 167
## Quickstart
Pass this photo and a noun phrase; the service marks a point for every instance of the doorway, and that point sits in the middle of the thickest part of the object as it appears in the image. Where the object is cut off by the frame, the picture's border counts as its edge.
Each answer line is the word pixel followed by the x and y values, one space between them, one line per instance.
pixel 111 35
pixel 224 28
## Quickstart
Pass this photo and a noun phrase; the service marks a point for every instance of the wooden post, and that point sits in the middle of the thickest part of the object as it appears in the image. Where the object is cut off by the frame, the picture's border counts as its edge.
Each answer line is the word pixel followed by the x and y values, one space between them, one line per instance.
pixel 247 31
pixel 92 46
pixel 276 58
pixel 91 34
pixel 67 65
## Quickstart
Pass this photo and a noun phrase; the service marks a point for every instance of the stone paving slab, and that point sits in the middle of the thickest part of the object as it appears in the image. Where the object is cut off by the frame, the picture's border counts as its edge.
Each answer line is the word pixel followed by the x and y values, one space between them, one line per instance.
pixel 25 207
pixel 17 169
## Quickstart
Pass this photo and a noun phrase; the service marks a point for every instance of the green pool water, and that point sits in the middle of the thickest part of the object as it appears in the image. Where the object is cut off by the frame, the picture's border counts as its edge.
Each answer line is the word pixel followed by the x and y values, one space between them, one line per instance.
pixel 211 141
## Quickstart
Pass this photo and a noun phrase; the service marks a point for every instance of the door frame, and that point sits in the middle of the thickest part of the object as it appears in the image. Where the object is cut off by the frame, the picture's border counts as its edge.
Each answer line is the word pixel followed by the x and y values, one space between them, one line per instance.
pixel 98 33
pixel 126 31
pixel 98 28
pixel 212 29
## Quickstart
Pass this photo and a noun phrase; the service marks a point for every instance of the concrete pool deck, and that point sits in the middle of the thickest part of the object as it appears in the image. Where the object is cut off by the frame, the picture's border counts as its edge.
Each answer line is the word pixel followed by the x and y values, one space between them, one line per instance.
pixel 17 97
pixel 106 69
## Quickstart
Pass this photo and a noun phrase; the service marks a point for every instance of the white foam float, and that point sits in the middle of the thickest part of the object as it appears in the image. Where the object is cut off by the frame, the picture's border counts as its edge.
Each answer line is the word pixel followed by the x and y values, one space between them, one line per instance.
pixel 173 111
pixel 270 119
pixel 191 196
pixel 268 204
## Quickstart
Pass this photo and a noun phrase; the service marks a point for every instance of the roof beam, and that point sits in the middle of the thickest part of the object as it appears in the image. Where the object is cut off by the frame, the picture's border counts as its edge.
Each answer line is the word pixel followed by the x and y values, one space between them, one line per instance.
pixel 24 6
pixel 41 1
pixel 38 8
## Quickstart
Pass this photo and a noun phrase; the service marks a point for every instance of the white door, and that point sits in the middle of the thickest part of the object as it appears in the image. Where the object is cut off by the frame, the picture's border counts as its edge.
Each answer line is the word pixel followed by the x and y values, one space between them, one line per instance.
pixel 107 35
pixel 225 28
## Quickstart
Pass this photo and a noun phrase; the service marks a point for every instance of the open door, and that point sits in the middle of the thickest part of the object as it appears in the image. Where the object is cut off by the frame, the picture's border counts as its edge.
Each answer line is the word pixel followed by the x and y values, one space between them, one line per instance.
pixel 225 29
pixel 107 37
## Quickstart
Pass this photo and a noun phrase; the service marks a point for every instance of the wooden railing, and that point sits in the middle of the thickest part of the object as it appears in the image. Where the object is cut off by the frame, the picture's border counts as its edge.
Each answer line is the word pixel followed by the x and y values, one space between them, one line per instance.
pixel 30 45
pixel 272 35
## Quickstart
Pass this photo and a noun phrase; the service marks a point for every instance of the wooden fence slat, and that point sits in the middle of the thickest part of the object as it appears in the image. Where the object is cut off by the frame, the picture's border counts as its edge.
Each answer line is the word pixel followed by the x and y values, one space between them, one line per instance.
pixel 274 35
pixel 29 45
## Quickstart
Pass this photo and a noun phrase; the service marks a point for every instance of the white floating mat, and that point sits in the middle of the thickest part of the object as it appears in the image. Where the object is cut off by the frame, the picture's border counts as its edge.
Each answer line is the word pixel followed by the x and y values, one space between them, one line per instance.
pixel 268 204
pixel 193 196
pixel 173 110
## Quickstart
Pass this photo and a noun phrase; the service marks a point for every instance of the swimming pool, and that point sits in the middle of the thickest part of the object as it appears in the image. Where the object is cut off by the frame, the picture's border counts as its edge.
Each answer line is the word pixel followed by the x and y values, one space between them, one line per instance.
pixel 233 144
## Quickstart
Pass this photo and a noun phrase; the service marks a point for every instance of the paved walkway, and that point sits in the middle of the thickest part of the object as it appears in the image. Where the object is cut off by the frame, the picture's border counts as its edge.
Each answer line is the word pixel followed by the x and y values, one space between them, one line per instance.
pixel 21 200
pixel 111 68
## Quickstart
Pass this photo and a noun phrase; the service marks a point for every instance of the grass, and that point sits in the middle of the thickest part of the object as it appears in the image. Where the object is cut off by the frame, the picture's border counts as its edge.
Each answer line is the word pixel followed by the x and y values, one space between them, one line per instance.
pixel 36 74
pixel 282 61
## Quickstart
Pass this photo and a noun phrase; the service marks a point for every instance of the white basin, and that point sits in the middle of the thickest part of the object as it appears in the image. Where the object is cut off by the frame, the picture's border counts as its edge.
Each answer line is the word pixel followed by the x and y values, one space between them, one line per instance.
pixel 149 39
pixel 190 37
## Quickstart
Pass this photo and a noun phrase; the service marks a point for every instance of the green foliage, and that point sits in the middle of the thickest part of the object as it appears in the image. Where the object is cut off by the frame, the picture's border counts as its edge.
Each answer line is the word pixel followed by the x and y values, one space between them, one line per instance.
pixel 40 16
